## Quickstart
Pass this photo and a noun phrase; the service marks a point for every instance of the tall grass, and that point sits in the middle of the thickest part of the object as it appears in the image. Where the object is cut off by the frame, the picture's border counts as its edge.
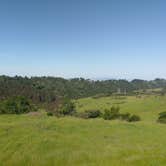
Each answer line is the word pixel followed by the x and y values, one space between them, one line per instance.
pixel 40 140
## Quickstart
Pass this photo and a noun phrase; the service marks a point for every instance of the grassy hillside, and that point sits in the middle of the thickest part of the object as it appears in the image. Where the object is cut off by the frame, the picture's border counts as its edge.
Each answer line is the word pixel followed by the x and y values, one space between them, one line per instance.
pixel 39 140
pixel 147 107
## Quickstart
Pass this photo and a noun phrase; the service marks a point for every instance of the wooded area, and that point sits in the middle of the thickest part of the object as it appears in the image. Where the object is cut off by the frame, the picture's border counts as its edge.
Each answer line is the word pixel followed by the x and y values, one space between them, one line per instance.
pixel 48 89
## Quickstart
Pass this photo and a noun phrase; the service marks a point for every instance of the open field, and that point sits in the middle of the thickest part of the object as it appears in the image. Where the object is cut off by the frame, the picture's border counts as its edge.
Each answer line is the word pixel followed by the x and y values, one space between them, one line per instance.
pixel 147 107
pixel 39 140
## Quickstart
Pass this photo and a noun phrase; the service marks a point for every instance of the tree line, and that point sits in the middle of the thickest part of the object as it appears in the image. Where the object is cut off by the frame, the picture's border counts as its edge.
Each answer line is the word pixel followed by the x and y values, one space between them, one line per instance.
pixel 50 89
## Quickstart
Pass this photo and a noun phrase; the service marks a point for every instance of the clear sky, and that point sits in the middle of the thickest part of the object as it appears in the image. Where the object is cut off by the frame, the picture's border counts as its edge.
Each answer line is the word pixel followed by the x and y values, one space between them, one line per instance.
pixel 83 38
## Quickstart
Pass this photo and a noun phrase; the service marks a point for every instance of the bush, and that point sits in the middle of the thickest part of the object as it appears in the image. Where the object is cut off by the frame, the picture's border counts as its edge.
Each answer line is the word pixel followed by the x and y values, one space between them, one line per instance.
pixel 125 116
pixel 162 117
pixel 16 105
pixel 89 114
pixel 67 108
pixel 162 120
pixel 162 114
pixel 49 113
pixel 111 114
pixel 134 118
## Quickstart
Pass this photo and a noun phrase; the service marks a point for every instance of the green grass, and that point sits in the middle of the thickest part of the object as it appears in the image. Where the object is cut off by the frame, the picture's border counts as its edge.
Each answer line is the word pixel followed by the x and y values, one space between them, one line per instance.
pixel 39 140
pixel 147 107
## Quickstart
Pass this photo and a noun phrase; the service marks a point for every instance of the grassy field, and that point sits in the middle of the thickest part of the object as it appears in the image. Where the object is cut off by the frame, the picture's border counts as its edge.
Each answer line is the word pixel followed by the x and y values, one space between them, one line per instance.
pixel 147 107
pixel 39 140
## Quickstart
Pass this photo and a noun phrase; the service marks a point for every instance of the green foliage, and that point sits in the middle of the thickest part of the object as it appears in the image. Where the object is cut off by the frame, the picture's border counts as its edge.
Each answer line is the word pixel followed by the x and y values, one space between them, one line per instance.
pixel 162 117
pixel 125 116
pixel 111 114
pixel 67 108
pixel 89 114
pixel 162 114
pixel 48 89
pixel 147 107
pixel 16 105
pixel 93 113
pixel 49 113
pixel 134 118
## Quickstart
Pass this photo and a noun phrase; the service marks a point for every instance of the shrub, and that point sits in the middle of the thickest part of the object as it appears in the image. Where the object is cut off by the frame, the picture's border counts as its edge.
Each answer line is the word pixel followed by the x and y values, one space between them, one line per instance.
pixel 93 113
pixel 162 120
pixel 134 118
pixel 16 105
pixel 107 114
pixel 162 114
pixel 111 114
pixel 162 117
pixel 89 114
pixel 125 116
pixel 49 113
pixel 67 108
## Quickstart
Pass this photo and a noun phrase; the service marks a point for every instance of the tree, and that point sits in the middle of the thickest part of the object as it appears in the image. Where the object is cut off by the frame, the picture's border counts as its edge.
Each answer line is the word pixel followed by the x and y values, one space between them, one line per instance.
pixel 111 114
pixel 16 105
pixel 67 107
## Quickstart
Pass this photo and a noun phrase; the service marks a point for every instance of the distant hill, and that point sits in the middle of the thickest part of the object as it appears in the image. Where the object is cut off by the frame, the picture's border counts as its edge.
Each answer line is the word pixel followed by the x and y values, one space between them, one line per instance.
pixel 48 89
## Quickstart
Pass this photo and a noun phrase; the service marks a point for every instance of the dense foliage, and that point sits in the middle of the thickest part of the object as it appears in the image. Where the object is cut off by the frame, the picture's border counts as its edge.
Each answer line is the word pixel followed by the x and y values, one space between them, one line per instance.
pixel 162 117
pixel 125 116
pixel 48 89
pixel 67 107
pixel 110 114
pixel 16 105
pixel 134 118
pixel 113 113
pixel 89 114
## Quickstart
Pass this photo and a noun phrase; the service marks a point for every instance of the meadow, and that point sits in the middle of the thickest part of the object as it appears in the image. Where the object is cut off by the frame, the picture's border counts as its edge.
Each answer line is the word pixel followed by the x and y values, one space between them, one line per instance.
pixel 146 106
pixel 40 140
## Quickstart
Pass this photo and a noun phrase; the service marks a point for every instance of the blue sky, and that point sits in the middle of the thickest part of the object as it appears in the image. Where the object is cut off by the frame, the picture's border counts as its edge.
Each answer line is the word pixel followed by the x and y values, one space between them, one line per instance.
pixel 83 38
